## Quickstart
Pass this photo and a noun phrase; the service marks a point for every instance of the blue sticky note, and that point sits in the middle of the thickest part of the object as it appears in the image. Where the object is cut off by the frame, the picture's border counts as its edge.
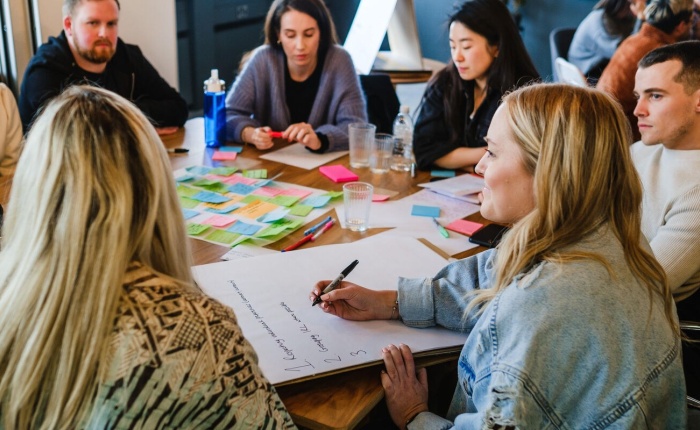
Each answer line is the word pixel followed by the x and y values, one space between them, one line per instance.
pixel 442 173
pixel 209 197
pixel 242 189
pixel 431 211
pixel 184 178
pixel 273 216
pixel 316 201
pixel 230 148
pixel 242 228
pixel 198 170
pixel 189 213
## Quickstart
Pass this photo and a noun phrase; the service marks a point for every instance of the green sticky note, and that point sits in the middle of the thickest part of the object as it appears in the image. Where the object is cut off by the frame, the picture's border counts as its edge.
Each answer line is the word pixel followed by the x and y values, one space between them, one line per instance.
pixel 222 236
pixel 194 229
pixel 188 203
pixel 333 194
pixel 272 230
pixel 252 198
pixel 288 224
pixel 285 201
pixel 217 187
pixel 223 171
pixel 301 210
pixel 242 238
pixel 255 174
pixel 185 191
pixel 204 182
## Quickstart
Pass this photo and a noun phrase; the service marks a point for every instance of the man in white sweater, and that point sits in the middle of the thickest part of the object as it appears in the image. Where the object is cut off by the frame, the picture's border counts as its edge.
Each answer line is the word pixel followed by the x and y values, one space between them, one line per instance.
pixel 667 87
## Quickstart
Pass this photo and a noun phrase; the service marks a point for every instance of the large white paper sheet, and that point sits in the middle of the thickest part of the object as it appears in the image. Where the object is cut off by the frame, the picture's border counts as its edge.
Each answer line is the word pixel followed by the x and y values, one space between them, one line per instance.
pixel 294 340
pixel 463 187
pixel 298 156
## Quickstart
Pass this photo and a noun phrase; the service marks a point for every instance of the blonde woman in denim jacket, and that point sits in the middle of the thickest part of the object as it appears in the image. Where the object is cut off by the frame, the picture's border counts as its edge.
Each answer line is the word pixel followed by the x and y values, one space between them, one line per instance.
pixel 571 323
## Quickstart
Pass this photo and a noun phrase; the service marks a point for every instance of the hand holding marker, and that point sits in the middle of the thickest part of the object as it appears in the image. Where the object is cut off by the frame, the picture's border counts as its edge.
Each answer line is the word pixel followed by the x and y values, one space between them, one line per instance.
pixel 333 285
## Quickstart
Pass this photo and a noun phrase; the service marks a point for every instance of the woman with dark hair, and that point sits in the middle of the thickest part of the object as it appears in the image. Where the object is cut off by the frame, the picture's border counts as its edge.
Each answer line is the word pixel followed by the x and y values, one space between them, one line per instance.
pixel 599 34
pixel 300 83
pixel 488 59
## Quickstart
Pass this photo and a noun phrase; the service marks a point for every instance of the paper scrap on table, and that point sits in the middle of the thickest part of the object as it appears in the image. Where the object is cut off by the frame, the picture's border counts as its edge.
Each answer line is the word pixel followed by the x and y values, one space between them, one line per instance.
pixel 297 155
pixel 430 211
pixel 247 251
pixel 463 226
pixel 224 156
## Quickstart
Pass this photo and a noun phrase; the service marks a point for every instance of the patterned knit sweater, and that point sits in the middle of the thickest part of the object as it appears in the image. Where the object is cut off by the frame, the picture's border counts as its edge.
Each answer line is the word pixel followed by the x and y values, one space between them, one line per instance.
pixel 178 360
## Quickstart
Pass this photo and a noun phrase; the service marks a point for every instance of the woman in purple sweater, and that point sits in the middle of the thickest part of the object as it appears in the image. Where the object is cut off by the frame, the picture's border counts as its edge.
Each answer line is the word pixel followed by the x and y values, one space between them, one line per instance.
pixel 299 83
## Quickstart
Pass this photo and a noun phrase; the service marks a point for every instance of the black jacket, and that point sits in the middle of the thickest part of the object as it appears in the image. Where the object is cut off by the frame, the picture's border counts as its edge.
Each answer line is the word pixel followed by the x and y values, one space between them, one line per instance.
pixel 434 137
pixel 128 74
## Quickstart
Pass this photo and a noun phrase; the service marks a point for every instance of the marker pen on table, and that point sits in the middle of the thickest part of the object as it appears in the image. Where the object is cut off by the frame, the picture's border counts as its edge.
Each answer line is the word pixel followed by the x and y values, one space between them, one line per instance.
pixel 307 238
pixel 178 150
pixel 317 226
pixel 333 285
pixel 274 134
pixel 441 229
pixel 325 228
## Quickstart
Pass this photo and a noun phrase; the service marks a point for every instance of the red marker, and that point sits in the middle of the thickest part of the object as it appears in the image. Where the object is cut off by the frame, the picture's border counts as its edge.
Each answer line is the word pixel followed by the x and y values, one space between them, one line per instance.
pixel 307 238
pixel 274 134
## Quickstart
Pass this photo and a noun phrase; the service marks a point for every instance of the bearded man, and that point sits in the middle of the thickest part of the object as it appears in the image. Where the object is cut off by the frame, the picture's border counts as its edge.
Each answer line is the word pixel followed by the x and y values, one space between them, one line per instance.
pixel 89 51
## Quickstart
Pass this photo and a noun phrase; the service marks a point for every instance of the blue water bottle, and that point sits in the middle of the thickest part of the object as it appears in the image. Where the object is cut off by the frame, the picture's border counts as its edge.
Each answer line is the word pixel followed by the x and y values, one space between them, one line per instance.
pixel 214 110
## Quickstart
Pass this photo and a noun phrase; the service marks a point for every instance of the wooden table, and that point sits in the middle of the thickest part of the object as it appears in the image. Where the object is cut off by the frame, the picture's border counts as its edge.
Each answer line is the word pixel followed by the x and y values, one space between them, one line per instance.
pixel 339 401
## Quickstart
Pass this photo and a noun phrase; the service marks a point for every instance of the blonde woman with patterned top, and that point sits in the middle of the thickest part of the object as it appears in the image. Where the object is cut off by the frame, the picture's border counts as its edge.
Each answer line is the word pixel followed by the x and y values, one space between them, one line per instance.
pixel 102 324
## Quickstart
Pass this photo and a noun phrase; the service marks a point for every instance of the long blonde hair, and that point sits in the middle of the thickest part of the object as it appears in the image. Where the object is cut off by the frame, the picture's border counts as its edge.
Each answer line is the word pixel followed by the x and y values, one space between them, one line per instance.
pixel 575 143
pixel 93 191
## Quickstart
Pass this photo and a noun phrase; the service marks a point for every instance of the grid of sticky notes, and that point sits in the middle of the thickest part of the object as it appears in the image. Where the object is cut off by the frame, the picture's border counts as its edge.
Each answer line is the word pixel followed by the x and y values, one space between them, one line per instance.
pixel 227 206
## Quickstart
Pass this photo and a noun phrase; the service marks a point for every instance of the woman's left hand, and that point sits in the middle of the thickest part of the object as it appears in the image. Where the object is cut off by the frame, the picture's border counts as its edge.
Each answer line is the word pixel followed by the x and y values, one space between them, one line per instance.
pixel 405 389
pixel 304 134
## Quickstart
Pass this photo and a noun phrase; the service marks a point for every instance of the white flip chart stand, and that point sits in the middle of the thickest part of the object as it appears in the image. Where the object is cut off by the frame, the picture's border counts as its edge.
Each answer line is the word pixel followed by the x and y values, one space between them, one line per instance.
pixel 373 20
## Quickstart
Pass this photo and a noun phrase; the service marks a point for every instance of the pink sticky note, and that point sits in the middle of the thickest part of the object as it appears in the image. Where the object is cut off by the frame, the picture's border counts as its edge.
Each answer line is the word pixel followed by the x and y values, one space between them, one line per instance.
pixel 224 156
pixel 338 173
pixel 464 226
pixel 380 197
pixel 219 220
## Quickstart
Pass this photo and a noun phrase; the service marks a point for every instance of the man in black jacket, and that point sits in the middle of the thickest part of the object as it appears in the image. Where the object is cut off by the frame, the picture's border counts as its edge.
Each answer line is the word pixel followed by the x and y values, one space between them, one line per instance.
pixel 88 51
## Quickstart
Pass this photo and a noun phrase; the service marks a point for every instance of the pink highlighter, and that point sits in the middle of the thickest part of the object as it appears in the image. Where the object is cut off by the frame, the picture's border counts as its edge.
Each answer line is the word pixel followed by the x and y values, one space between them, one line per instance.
pixel 275 134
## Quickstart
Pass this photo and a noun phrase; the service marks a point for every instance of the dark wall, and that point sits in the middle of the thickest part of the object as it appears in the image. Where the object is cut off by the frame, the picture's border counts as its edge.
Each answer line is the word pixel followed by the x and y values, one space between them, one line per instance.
pixel 216 33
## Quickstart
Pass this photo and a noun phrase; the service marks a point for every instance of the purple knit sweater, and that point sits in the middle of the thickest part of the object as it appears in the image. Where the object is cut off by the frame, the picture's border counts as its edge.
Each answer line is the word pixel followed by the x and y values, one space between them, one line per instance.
pixel 257 97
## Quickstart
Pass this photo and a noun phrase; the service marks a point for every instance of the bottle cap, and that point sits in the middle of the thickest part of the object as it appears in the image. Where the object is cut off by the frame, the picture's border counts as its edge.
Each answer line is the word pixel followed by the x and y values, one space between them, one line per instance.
pixel 214 84
pixel 405 109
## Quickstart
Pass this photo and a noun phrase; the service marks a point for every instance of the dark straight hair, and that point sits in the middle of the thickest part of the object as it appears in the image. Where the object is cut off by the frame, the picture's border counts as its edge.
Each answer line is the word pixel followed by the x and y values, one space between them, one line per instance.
pixel 316 9
pixel 510 69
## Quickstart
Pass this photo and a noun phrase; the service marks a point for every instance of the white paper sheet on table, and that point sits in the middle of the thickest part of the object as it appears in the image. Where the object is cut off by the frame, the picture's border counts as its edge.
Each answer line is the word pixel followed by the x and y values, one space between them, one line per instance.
pixel 463 187
pixel 293 340
pixel 397 214
pixel 297 155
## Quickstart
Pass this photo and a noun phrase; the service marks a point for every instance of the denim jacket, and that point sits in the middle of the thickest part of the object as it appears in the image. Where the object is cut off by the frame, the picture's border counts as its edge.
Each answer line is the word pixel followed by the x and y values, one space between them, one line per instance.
pixel 564 346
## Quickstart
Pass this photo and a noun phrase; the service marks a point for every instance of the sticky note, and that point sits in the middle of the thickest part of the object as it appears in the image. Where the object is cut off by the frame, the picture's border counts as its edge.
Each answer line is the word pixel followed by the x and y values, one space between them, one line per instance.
pixel 238 179
pixel 274 215
pixel 442 173
pixel 379 197
pixel 189 213
pixel 242 189
pixel 255 174
pixel 431 211
pixel 300 210
pixel 224 156
pixel 464 227
pixel 222 236
pixel 338 173
pixel 253 198
pixel 219 220
pixel 256 209
pixel 185 191
pixel 231 149
pixel 316 201
pixel 272 230
pixel 198 170
pixel 210 197
pixel 223 171
pixel 184 178
pixel 295 192
pixel 334 194
pixel 216 187
pixel 241 227
pixel 286 201
pixel 194 229
pixel 266 191
pixel 188 203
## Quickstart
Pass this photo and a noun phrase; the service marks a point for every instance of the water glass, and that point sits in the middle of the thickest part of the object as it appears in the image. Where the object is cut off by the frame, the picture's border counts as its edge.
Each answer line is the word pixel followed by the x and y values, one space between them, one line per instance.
pixel 380 156
pixel 361 136
pixel 357 199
